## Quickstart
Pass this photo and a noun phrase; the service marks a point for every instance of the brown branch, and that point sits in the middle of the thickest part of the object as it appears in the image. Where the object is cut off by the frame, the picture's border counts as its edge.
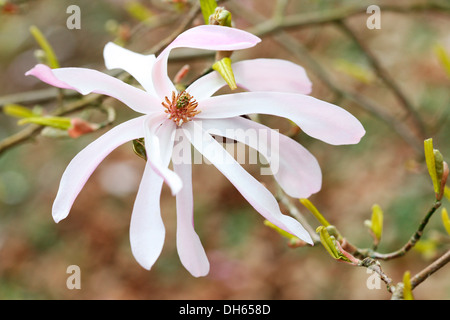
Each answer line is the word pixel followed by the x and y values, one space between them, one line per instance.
pixel 375 266
pixel 429 270
pixel 295 212
pixel 188 19
pixel 33 130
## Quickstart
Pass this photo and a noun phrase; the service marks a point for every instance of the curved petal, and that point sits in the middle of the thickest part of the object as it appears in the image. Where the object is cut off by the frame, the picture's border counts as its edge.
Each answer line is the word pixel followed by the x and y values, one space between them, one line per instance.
pixel 295 168
pixel 256 75
pixel 84 163
pixel 317 118
pixel 207 37
pixel 256 194
pixel 138 65
pixel 189 246
pixel 159 140
pixel 147 230
pixel 87 81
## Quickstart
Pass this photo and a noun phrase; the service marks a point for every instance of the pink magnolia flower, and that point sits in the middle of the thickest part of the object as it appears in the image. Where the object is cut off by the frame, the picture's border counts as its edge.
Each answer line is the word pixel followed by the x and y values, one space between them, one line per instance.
pixel 174 121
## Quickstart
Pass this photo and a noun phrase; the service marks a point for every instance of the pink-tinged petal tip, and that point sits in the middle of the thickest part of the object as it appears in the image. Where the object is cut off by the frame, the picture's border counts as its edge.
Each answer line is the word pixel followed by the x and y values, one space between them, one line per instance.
pixel 45 74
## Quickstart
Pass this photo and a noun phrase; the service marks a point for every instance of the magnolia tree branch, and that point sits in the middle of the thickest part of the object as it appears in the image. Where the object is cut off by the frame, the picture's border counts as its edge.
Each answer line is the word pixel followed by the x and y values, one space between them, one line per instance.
pixel 33 130
pixel 295 212
pixel 408 246
pixel 429 270
pixel 187 21
pixel 375 266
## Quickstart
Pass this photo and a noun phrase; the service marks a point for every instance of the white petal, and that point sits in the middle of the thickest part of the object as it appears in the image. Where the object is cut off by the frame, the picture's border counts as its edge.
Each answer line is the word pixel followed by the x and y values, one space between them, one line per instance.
pixel 206 37
pixel 147 230
pixel 159 140
pixel 256 75
pixel 252 190
pixel 86 81
pixel 138 65
pixel 190 249
pixel 295 168
pixel 84 163
pixel 319 119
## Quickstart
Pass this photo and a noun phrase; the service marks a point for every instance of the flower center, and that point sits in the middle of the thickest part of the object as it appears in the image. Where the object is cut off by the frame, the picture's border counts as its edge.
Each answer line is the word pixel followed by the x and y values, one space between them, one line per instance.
pixel 182 107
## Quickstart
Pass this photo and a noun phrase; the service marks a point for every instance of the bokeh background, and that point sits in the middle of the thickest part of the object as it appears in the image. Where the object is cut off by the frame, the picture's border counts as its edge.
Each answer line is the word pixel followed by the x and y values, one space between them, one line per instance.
pixel 248 260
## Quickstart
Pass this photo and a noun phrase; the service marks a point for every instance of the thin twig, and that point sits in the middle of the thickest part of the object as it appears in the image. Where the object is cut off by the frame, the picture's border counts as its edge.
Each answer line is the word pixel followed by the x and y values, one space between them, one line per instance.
pixel 295 212
pixel 34 96
pixel 375 266
pixel 188 19
pixel 33 130
pixel 429 270
pixel 408 246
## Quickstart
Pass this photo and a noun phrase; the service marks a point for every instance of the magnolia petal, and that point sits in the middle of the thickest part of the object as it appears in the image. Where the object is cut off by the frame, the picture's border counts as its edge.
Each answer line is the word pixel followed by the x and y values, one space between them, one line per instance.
pixel 85 162
pixel 317 118
pixel 138 65
pixel 256 75
pixel 295 168
pixel 256 194
pixel 86 81
pixel 207 37
pixel 147 230
pixel 159 140
pixel 189 246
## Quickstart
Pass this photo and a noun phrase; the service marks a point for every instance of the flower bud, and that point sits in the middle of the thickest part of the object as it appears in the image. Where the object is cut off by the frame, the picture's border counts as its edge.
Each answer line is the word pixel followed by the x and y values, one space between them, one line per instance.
pixel 437 168
pixel 328 242
pixel 18 111
pixel 50 56
pixel 444 177
pixel 375 225
pixel 54 122
pixel 308 204
pixel 221 17
pixel 446 220
pixel 80 127
pixel 224 68
pixel 139 148
pixel 293 242
pixel 407 290
pixel 208 8
pixel 181 74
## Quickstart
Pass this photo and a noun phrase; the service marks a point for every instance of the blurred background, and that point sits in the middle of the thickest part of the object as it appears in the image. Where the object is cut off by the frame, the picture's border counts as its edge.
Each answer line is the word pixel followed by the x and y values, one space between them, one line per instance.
pixel 349 65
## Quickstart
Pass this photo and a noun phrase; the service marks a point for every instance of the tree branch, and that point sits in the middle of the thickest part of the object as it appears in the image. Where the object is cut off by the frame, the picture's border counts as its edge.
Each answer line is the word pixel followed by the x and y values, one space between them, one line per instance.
pixel 429 270
pixel 295 212
pixel 33 130
pixel 408 246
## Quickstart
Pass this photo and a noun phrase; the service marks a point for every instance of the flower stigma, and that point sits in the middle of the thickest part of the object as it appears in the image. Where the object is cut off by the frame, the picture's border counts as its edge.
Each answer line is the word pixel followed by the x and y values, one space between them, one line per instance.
pixel 182 107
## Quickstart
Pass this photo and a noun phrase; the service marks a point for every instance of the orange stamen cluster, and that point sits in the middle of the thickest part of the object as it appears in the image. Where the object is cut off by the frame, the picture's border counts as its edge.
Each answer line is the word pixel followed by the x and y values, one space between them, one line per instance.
pixel 182 108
